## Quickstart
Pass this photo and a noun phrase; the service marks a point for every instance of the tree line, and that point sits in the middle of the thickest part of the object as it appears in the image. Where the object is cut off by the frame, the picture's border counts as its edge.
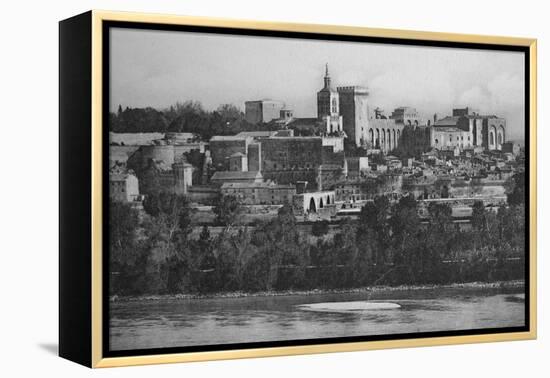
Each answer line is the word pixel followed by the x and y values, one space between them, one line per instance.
pixel 189 116
pixel 388 245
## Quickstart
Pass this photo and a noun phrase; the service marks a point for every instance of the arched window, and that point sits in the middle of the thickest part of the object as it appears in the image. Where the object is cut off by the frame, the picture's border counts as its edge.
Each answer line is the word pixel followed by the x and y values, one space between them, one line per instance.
pixel 334 106
pixel 312 207
pixel 491 138
pixel 502 134
pixel 371 136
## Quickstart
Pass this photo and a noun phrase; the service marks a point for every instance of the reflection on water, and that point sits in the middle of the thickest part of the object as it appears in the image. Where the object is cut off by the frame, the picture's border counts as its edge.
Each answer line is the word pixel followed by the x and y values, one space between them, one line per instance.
pixel 176 323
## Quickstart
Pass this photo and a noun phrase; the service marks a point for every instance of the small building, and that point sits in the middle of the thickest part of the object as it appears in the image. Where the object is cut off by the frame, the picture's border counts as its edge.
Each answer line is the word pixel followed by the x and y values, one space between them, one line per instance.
pixel 223 146
pixel 238 162
pixel 262 111
pixel 511 147
pixel 355 166
pixel 123 187
pixel 259 193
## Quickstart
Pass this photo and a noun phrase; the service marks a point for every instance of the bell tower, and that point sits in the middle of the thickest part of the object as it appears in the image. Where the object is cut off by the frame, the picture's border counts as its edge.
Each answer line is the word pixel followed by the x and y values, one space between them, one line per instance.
pixel 327 98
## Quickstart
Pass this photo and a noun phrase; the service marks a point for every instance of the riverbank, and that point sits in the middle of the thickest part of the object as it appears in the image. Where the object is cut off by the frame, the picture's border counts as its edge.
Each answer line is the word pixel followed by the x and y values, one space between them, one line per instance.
pixel 239 294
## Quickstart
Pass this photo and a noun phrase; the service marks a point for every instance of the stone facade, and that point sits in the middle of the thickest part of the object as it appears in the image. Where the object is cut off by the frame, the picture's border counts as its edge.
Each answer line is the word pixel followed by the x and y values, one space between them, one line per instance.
pixel 365 189
pixel 259 193
pixel 447 138
pixel 328 103
pixel 262 111
pixel 466 129
pixel 494 132
pixel 406 115
pixel 222 147
pixel 355 112
pixel 384 134
pixel 123 187
pixel 160 177
pixel 314 202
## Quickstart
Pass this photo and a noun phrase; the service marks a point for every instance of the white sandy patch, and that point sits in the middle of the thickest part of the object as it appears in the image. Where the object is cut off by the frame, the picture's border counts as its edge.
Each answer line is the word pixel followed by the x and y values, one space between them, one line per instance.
pixel 355 306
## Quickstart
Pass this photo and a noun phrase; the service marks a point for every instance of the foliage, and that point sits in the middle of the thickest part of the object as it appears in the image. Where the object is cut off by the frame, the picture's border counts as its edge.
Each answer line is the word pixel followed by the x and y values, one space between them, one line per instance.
pixel 228 210
pixel 516 189
pixel 387 245
pixel 189 116
pixel 320 228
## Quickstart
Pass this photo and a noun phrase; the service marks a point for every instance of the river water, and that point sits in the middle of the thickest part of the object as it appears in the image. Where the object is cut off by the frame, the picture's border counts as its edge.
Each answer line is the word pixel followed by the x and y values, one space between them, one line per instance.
pixel 180 323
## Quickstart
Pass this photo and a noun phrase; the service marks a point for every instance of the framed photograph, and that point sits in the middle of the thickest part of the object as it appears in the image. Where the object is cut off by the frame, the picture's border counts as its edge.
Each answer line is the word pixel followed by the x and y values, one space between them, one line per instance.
pixel 234 189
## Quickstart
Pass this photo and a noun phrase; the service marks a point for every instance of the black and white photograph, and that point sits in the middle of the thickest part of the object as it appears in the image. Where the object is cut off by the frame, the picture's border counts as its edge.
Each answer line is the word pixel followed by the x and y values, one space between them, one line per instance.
pixel 290 189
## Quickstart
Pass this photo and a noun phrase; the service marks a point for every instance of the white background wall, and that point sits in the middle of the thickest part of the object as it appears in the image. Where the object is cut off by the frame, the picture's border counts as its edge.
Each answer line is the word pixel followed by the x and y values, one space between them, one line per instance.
pixel 28 207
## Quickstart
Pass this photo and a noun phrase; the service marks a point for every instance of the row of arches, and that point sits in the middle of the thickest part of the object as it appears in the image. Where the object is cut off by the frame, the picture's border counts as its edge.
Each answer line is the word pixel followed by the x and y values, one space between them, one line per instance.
pixel 316 201
pixel 386 140
pixel 497 136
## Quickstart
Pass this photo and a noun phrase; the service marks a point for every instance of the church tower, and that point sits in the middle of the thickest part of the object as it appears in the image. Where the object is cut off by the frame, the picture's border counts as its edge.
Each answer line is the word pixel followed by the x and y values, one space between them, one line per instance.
pixel 327 98
pixel 328 108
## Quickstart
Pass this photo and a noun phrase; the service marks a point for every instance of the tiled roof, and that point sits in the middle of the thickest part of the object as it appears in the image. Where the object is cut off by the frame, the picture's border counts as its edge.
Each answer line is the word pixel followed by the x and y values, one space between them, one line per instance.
pixel 226 138
pixel 236 175
pixel 264 184
pixel 447 121
pixel 256 134
pixel 304 122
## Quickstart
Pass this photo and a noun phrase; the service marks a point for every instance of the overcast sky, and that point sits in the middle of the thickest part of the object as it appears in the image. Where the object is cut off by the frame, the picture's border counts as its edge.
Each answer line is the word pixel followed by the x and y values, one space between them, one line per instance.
pixel 160 68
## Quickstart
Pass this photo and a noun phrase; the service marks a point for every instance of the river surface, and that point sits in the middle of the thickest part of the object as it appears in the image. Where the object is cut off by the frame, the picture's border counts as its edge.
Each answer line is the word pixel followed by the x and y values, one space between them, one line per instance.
pixel 180 323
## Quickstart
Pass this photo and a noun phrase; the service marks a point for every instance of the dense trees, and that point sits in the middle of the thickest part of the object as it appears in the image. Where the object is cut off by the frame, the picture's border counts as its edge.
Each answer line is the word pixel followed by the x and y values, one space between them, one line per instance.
pixel 227 210
pixel 139 120
pixel 516 189
pixel 188 116
pixel 388 245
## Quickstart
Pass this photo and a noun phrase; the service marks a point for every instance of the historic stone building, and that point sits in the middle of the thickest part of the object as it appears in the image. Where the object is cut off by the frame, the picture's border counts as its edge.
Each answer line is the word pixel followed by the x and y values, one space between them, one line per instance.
pixel 364 189
pixel 263 111
pixel 123 187
pixel 222 147
pixel 161 177
pixel 328 107
pixel 494 132
pixel 319 203
pixel 259 193
pixel 466 129
pixel 355 113
pixel 486 131
pixel 292 159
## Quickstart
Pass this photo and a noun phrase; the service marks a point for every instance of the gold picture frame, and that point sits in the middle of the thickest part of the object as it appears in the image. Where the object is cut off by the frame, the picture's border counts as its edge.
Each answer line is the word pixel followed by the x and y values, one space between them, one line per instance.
pixel 93 24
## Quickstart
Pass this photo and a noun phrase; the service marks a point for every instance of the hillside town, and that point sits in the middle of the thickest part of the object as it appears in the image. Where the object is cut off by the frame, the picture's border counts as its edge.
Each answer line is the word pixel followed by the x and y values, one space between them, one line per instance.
pixel 327 167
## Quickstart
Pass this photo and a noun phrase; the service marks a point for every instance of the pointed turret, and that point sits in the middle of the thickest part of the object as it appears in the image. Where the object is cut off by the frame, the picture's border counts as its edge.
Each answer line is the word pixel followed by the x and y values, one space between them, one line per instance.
pixel 327 77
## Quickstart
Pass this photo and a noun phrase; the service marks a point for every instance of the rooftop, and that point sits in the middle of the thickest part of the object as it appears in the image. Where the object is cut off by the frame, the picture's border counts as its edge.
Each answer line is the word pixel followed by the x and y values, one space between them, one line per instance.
pixel 256 134
pixel 236 175
pixel 449 129
pixel 227 138
pixel 447 121
pixel 248 185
